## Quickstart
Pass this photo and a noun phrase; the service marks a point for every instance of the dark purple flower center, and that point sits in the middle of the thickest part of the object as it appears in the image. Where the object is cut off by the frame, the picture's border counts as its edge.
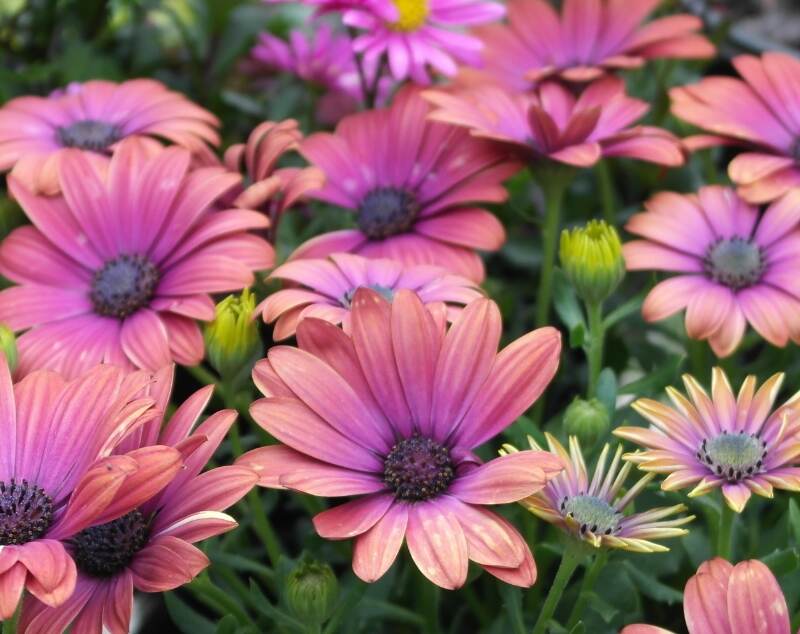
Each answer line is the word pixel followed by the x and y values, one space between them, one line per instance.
pixel 123 286
pixel 347 298
pixel 418 468
pixel 26 512
pixel 594 514
pixel 387 211
pixel 735 262
pixel 89 134
pixel 105 550
pixel 733 456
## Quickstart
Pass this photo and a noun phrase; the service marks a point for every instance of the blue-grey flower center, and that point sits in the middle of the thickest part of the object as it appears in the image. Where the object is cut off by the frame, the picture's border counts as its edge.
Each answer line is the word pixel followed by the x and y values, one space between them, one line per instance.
pixel 123 286
pixel 387 211
pixel 418 468
pixel 26 512
pixel 105 550
pixel 89 134
pixel 347 298
pixel 733 456
pixel 735 262
pixel 593 514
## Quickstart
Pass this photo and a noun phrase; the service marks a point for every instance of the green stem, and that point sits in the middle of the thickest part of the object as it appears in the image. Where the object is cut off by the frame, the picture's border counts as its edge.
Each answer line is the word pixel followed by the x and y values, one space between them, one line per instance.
pixel 589 581
pixel 263 528
pixel 607 194
pixel 555 186
pixel 597 334
pixel 428 598
pixel 202 375
pixel 724 541
pixel 574 554
pixel 218 600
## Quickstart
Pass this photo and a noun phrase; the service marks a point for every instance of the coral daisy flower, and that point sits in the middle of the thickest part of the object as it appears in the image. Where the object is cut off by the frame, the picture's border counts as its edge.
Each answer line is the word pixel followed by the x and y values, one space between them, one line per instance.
pixel 413 184
pixel 588 39
pixel 727 599
pixel 392 416
pixel 265 186
pixel 426 34
pixel 150 547
pixel 94 117
pixel 56 475
pixel 119 268
pixel 759 113
pixel 329 285
pixel 594 511
pixel 734 266
pixel 724 441
pixel 552 123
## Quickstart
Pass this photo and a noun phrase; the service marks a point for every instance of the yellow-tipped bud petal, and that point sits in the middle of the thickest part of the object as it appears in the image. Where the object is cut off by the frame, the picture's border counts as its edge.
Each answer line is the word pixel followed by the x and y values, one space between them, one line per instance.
pixel 232 338
pixel 8 345
pixel 591 257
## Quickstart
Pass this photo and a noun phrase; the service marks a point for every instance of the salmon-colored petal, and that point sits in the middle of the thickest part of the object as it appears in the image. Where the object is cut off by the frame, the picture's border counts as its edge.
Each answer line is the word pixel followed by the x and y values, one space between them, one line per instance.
pixel 437 544
pixel 354 517
pixel 375 551
pixel 755 601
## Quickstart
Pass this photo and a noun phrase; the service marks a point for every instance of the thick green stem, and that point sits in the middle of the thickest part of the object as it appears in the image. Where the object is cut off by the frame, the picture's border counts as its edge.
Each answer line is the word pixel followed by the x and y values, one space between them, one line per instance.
pixel 554 185
pixel 263 528
pixel 724 541
pixel 589 581
pixel 607 194
pixel 574 554
pixel 597 335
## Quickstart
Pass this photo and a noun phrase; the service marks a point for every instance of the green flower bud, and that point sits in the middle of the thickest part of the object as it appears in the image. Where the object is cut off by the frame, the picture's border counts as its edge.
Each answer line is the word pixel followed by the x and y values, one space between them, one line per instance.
pixel 591 256
pixel 311 592
pixel 588 420
pixel 232 338
pixel 8 345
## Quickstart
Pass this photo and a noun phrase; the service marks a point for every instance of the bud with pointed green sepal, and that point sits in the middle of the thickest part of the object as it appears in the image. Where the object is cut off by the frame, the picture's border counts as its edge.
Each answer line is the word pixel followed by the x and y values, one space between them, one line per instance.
pixel 588 420
pixel 591 257
pixel 232 338
pixel 311 592
pixel 8 346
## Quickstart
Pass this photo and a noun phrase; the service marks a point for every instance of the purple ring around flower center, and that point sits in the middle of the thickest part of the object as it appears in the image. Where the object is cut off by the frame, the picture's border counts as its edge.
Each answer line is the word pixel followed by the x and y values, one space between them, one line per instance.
pixel 89 134
pixel 387 211
pixel 26 512
pixel 123 286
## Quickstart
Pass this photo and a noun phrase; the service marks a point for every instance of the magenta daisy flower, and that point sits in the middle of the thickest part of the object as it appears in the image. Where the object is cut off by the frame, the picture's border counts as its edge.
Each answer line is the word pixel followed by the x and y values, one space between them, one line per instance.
pixel 425 34
pixel 392 416
pixel 56 475
pixel 735 266
pixel 414 185
pixel 149 548
pixel 725 599
pixel 758 112
pixel 327 288
pixel 588 39
pixel 94 117
pixel 593 511
pixel 121 266
pixel 553 124
pixel 730 442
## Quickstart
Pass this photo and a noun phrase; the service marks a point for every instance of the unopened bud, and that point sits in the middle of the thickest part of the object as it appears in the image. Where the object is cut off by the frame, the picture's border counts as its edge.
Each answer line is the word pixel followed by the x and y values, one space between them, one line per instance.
pixel 8 345
pixel 591 257
pixel 588 420
pixel 311 592
pixel 232 338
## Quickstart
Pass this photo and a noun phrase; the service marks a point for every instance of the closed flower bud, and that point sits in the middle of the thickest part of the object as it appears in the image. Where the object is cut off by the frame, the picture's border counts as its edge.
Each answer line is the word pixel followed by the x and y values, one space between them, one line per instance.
pixel 232 338
pixel 588 420
pixel 311 592
pixel 591 257
pixel 8 345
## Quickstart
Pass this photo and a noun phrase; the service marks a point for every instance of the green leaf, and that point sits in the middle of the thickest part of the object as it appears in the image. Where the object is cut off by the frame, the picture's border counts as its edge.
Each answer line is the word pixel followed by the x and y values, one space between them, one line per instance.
pixel 794 521
pixel 782 562
pixel 577 335
pixel 607 390
pixel 657 379
pixel 244 23
pixel 185 618
pixel 566 302
pixel 652 587
pixel 227 625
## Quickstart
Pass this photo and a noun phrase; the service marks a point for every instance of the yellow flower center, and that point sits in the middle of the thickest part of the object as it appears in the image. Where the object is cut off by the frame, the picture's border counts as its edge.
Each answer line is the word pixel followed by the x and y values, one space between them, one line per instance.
pixel 413 14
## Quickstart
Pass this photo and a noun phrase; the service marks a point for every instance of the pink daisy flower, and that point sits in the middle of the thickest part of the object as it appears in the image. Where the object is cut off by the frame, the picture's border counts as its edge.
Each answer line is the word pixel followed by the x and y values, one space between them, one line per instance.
pixel 425 34
pixel 57 477
pixel 94 117
pixel 735 266
pixel 327 288
pixel 150 549
pixel 594 511
pixel 414 185
pixel 589 39
pixel 760 113
pixel 391 416
pixel 553 124
pixel 121 266
pixel 730 442
pixel 725 599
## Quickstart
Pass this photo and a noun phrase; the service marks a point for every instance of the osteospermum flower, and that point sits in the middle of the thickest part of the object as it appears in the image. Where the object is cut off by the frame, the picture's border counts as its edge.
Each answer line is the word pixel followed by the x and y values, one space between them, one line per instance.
pixel 149 548
pixel 119 268
pixel 57 477
pixel 553 124
pixel 392 416
pixel 734 443
pixel 759 113
pixel 95 117
pixel 588 39
pixel 414 185
pixel 593 511
pixel 724 599
pixel 425 34
pixel 328 287
pixel 734 265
